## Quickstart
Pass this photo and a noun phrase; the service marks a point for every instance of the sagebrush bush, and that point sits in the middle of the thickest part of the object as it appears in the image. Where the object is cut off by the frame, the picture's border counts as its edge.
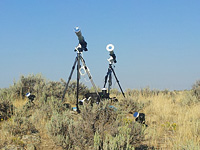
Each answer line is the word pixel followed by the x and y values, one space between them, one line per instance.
pixel 41 88
pixel 128 137
pixel 46 109
pixel 31 83
pixel 73 88
pixel 54 89
pixel 189 98
pixel 92 128
pixel 5 93
pixel 6 109
pixel 130 105
pixel 99 118
pixel 19 125
pixel 196 89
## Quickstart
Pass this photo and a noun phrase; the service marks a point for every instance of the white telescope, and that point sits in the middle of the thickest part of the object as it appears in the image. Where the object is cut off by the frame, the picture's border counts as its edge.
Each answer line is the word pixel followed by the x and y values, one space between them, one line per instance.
pixel 110 48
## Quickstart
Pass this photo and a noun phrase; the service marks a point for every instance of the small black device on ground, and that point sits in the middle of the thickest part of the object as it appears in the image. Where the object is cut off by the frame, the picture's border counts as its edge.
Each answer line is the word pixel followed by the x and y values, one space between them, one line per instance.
pixel 140 118
pixel 31 97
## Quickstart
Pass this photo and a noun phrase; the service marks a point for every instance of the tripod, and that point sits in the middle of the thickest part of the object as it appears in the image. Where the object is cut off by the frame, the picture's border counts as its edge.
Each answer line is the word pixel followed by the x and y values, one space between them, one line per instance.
pixel 77 61
pixel 109 78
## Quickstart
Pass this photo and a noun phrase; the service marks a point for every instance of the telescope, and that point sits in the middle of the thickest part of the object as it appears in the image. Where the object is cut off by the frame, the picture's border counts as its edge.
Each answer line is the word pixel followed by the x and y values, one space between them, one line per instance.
pixel 82 46
pixel 110 48
pixel 82 43
pixel 108 76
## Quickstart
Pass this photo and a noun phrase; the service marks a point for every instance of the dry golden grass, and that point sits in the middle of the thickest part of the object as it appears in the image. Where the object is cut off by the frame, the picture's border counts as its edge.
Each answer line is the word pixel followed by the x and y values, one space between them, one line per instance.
pixel 171 124
pixel 19 103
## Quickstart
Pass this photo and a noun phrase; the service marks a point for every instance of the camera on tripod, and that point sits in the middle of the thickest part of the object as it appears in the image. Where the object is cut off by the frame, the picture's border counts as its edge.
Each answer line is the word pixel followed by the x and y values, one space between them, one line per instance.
pixel 110 48
pixel 82 46
pixel 111 60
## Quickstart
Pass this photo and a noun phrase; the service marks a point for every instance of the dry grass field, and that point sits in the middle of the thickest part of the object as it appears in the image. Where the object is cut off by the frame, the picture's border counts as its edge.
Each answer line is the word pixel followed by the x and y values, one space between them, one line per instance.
pixel 173 119
pixel 172 123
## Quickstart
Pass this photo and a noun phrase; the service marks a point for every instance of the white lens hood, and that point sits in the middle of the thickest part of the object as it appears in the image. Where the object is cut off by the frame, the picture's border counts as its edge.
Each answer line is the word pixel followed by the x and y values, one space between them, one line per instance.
pixel 110 47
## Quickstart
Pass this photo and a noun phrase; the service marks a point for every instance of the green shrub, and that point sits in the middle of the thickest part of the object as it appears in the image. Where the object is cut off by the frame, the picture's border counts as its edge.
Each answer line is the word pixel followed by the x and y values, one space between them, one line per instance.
pixel 56 89
pixel 19 125
pixel 61 128
pixel 122 140
pixel 6 109
pixel 72 89
pixel 5 93
pixel 31 83
pixel 189 98
pixel 53 89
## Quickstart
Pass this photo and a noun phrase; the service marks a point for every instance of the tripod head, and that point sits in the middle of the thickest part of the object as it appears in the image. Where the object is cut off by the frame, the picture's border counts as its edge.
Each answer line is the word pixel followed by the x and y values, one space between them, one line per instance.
pixel 112 59
pixel 82 46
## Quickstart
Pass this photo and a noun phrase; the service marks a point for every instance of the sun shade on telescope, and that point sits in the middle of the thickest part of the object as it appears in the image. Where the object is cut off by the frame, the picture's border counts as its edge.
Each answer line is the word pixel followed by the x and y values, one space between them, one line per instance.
pixel 136 114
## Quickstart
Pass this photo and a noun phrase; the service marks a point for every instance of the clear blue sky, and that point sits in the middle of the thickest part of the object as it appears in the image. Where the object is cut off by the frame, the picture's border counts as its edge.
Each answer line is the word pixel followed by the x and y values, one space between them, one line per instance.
pixel 157 43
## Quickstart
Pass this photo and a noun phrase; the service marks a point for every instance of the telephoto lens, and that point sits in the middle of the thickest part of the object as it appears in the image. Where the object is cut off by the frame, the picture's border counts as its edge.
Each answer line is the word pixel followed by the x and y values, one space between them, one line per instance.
pixel 81 39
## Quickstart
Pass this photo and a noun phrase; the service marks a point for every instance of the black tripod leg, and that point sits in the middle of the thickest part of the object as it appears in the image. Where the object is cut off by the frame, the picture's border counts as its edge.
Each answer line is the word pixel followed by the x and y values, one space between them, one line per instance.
pixel 110 80
pixel 106 78
pixel 117 80
pixel 78 78
pixel 90 77
pixel 66 87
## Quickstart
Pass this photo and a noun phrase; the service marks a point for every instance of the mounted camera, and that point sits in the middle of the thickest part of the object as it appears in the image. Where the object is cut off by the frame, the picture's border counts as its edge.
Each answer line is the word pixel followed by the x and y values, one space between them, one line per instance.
pixel 82 46
pixel 30 97
pixel 140 118
pixel 111 60
pixel 110 48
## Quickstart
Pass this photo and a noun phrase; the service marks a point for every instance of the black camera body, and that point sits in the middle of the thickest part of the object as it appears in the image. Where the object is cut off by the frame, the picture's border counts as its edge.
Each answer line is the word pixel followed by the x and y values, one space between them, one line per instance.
pixel 30 96
pixel 140 118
